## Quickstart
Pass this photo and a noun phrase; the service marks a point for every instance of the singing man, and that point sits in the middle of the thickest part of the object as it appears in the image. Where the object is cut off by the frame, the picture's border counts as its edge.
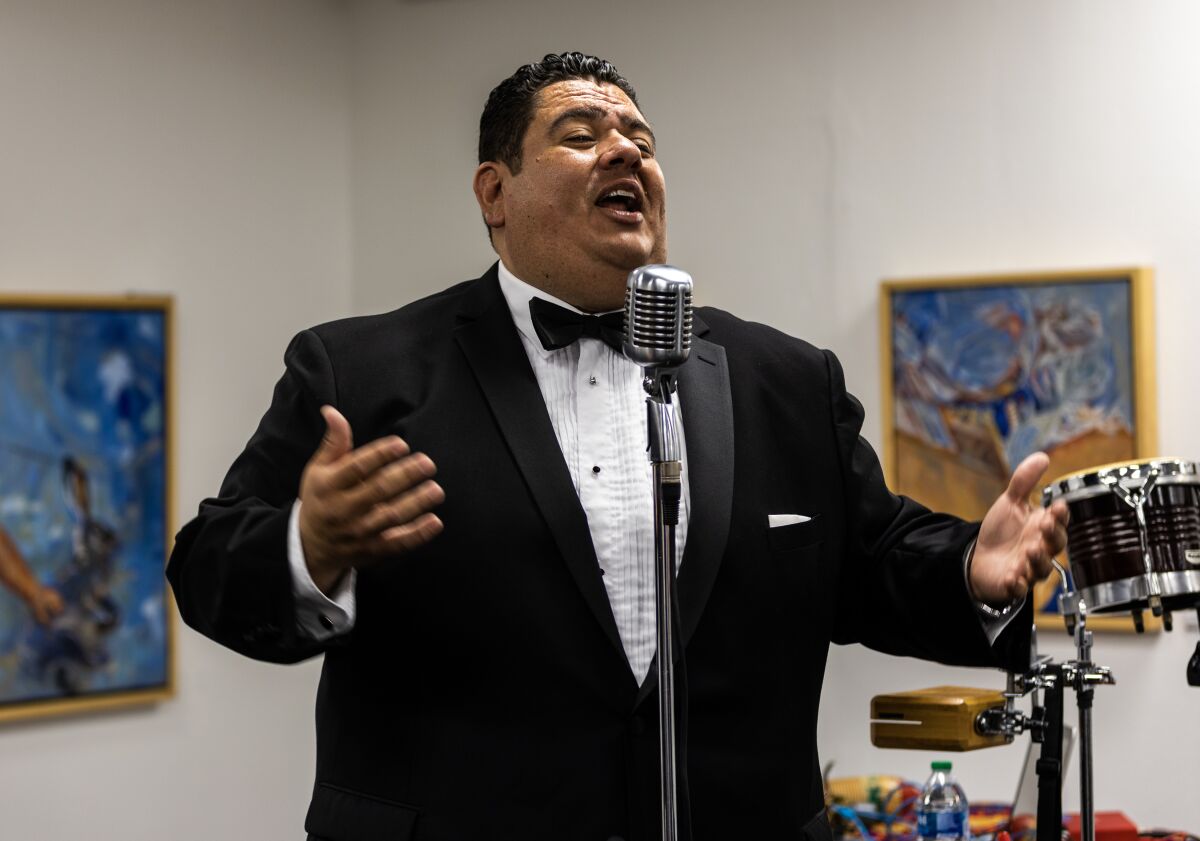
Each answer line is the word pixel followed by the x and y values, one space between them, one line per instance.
pixel 452 502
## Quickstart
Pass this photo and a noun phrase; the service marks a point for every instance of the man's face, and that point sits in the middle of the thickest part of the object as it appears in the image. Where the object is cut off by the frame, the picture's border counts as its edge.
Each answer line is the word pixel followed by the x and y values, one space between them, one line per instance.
pixel 589 204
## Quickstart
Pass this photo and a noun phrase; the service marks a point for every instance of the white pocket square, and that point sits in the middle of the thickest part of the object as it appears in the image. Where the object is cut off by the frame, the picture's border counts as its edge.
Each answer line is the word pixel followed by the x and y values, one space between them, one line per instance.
pixel 777 520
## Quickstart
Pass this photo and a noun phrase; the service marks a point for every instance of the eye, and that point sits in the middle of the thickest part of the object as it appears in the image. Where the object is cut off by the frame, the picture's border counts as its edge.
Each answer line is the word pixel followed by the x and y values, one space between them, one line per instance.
pixel 579 137
pixel 646 148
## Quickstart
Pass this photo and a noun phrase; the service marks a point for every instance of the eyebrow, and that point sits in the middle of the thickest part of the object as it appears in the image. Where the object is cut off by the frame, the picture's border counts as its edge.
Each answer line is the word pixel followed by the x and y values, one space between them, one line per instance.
pixel 593 112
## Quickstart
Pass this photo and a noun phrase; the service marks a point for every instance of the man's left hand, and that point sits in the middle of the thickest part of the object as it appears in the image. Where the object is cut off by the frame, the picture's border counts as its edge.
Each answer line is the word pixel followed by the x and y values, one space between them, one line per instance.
pixel 1017 540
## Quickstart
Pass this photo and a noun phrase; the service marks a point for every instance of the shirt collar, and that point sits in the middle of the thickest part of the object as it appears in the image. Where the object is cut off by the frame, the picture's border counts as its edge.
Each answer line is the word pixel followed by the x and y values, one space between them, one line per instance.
pixel 517 294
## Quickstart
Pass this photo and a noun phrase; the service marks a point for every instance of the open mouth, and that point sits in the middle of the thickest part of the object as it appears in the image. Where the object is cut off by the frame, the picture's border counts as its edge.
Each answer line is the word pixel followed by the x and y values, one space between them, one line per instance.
pixel 622 202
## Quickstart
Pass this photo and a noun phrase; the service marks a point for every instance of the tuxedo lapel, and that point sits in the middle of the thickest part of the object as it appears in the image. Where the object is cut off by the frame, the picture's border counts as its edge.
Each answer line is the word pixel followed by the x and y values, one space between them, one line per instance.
pixel 486 334
pixel 707 408
pixel 707 405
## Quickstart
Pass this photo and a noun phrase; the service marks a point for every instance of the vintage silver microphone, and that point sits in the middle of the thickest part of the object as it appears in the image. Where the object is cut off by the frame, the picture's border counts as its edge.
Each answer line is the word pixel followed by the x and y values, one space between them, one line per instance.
pixel 658 336
pixel 658 316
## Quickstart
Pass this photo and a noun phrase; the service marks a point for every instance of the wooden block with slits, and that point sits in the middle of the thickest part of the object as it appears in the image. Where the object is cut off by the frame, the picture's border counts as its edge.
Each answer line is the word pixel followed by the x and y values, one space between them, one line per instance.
pixel 939 718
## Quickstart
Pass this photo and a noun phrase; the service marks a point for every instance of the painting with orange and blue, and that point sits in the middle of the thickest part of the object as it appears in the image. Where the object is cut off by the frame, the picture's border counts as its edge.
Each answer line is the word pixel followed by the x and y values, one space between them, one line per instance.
pixel 83 502
pixel 982 375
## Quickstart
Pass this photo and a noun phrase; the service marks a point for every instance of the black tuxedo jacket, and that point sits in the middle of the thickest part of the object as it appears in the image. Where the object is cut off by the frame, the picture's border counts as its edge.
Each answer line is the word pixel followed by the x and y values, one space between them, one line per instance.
pixel 483 692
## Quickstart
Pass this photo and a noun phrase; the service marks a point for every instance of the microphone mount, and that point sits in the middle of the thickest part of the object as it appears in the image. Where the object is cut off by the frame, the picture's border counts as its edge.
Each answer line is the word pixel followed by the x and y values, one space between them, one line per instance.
pixel 662 421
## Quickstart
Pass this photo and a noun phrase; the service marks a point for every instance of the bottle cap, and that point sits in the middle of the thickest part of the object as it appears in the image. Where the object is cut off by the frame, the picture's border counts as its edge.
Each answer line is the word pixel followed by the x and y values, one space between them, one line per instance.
pixel 940 766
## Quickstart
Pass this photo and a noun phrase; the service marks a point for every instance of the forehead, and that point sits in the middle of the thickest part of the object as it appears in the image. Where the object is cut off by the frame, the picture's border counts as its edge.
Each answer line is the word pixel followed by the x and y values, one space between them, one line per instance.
pixel 554 99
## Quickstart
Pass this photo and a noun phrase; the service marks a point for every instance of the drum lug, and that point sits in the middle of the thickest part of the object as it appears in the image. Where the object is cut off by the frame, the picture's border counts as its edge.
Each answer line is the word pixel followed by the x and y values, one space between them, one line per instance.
pixel 1156 605
pixel 1136 500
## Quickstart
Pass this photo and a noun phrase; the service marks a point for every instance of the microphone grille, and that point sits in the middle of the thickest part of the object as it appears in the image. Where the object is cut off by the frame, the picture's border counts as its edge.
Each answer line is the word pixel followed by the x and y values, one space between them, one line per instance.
pixel 654 323
pixel 658 314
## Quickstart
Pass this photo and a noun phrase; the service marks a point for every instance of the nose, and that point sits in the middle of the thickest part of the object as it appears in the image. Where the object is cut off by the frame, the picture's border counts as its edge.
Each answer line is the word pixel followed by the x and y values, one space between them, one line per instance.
pixel 620 152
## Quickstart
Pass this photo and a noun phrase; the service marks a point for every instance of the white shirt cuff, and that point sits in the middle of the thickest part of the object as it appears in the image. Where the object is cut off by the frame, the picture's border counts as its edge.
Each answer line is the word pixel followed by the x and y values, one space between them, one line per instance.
pixel 317 615
pixel 992 625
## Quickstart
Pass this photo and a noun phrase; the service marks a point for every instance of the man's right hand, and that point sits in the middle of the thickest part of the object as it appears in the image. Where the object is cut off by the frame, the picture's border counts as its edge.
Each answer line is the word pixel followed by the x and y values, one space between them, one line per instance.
pixel 360 505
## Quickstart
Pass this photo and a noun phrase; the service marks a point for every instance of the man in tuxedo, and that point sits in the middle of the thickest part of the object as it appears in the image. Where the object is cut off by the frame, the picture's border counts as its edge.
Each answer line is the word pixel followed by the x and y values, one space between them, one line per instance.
pixel 488 634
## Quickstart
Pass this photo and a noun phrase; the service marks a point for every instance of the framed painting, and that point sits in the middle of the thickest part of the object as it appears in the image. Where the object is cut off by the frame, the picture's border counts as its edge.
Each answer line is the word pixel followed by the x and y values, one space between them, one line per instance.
pixel 85 501
pixel 979 372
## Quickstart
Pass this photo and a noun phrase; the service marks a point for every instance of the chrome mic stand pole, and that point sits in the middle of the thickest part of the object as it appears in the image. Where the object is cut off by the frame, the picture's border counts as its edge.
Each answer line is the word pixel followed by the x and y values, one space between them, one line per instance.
pixel 666 458
pixel 658 336
pixel 1086 675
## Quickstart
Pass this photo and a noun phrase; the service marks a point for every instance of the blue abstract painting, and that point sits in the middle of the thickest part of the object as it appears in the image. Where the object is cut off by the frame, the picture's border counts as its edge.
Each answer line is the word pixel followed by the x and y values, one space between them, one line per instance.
pixel 983 375
pixel 1037 366
pixel 83 494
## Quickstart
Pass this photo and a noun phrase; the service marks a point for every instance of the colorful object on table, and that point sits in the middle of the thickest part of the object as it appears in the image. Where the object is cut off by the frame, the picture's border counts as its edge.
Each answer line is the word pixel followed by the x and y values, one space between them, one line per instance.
pixel 989 818
pixel 852 791
pixel 883 808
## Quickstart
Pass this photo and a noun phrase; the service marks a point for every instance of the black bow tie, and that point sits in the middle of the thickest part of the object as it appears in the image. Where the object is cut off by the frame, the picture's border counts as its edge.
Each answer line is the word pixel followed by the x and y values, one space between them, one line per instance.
pixel 558 327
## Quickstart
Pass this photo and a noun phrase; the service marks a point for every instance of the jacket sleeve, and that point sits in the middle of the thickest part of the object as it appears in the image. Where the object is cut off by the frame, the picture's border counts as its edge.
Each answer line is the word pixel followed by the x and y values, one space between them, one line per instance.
pixel 229 567
pixel 901 586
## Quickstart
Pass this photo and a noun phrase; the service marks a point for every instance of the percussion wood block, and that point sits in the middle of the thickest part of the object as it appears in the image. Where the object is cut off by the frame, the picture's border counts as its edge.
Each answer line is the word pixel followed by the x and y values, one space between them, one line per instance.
pixel 938 718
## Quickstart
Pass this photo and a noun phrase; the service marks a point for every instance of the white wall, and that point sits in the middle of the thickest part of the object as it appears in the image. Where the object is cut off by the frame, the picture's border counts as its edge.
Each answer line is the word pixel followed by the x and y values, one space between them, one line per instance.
pixel 828 145
pixel 199 149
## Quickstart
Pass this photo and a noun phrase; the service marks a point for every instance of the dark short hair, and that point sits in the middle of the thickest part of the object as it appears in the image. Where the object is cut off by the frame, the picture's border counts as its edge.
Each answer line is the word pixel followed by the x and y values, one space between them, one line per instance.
pixel 510 106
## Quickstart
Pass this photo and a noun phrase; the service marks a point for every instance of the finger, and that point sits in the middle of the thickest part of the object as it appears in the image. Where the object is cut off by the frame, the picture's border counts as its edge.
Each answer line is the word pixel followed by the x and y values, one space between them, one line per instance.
pixel 393 480
pixel 1058 543
pixel 403 509
pixel 409 536
pixel 1061 513
pixel 1039 564
pixel 363 464
pixel 1053 525
pixel 1026 477
pixel 1018 584
pixel 338 439
pixel 1054 534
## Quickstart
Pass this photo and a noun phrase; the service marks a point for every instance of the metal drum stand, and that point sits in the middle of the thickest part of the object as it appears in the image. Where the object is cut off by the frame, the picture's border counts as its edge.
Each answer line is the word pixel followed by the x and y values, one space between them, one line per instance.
pixel 1045 723
pixel 1134 539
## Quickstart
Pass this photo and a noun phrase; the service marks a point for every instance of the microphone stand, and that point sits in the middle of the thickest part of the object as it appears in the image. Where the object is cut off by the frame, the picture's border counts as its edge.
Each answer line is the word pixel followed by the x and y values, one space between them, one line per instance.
pixel 666 457
pixel 658 334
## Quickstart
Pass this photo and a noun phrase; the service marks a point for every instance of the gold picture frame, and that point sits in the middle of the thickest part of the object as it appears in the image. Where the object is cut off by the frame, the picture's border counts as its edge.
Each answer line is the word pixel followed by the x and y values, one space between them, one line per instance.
pixel 86 503
pixel 978 371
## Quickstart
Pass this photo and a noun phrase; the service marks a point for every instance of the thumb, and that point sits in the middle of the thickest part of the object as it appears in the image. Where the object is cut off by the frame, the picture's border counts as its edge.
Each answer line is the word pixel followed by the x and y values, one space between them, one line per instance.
pixel 1026 476
pixel 338 439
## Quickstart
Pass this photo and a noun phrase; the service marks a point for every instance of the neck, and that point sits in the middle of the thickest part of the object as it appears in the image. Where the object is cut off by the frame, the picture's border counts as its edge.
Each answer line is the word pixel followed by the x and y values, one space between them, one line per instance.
pixel 602 290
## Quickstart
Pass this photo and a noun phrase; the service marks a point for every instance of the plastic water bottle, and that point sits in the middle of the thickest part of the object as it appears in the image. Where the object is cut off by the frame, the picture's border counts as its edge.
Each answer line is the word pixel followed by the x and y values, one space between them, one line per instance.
pixel 942 811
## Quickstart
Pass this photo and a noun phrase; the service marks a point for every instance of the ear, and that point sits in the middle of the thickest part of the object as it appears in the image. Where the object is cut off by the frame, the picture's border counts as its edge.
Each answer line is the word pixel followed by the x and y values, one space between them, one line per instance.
pixel 488 183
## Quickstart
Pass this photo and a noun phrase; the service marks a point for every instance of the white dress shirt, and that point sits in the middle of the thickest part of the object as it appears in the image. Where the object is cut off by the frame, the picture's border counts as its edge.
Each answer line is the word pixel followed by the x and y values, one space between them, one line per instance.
pixel 597 407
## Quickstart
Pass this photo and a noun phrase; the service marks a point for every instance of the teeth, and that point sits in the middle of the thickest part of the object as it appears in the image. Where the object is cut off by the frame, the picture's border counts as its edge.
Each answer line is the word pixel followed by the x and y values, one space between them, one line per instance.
pixel 625 194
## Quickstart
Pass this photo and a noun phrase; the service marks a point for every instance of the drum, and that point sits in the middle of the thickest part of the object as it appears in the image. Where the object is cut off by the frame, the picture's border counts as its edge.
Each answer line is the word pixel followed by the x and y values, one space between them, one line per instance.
pixel 1134 536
